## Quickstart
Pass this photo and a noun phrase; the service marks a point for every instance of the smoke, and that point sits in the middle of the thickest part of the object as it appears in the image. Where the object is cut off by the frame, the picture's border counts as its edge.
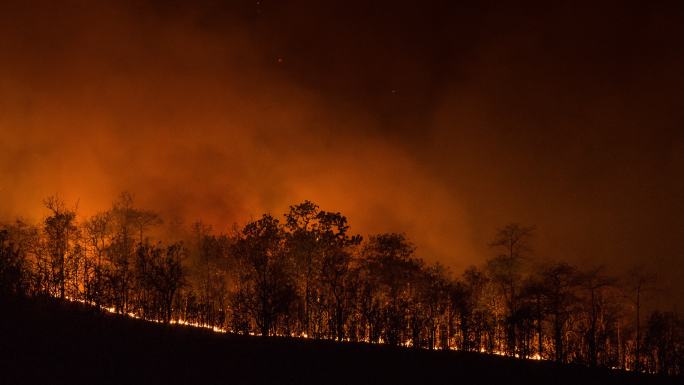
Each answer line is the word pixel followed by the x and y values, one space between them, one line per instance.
pixel 197 124
pixel 442 122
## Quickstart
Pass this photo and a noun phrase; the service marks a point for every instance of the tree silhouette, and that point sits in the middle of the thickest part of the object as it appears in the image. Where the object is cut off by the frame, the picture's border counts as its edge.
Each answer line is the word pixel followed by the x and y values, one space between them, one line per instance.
pixel 61 233
pixel 560 281
pixel 160 271
pixel 513 245
pixel 663 342
pixel 594 283
pixel 266 285
pixel 311 276
pixel 12 267
pixel 639 281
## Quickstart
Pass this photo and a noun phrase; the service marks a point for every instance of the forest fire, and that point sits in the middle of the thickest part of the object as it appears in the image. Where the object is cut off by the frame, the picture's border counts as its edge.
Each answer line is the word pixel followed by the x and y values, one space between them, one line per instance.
pixel 493 183
pixel 313 278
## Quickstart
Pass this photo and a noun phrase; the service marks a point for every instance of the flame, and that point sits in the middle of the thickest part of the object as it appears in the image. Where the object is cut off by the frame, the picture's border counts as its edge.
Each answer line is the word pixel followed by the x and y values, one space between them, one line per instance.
pixel 216 329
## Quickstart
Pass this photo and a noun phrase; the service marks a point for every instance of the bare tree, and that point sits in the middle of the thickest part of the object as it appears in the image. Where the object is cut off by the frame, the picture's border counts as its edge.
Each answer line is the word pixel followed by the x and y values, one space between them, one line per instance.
pixel 593 283
pixel 512 243
pixel 143 220
pixel 98 237
pixel 638 283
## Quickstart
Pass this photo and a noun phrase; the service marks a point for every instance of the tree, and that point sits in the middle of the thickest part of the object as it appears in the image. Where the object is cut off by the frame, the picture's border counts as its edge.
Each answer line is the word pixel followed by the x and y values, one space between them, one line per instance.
pixel 120 252
pixel 311 276
pixel 13 267
pixel 512 243
pixel 594 282
pixel 160 271
pixel 639 281
pixel 334 244
pixel 265 277
pixel 664 342
pixel 560 281
pixel 318 244
pixel 428 306
pixel 144 219
pixel 466 300
pixel 62 232
pixel 391 266
pixel 302 244
pixel 23 250
pixel 126 223
pixel 534 291
pixel 210 273
pixel 98 237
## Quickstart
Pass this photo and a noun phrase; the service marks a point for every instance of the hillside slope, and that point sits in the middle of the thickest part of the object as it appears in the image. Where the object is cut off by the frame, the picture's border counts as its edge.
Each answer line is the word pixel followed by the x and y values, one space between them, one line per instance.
pixel 50 342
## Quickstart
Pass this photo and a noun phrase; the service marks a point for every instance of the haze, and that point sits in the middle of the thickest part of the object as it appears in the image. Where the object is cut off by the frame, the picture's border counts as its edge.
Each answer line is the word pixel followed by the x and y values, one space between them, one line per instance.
pixel 442 121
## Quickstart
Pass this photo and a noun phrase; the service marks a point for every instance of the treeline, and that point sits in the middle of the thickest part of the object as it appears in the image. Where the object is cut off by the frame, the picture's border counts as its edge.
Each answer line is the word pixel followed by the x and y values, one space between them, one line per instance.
pixel 306 275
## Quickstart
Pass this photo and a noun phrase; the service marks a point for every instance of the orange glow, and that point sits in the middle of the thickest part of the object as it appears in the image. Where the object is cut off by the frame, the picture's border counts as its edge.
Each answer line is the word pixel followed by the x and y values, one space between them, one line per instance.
pixel 222 123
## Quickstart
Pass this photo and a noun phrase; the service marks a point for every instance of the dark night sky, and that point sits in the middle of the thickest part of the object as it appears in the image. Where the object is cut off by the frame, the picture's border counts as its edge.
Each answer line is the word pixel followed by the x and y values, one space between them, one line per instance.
pixel 443 120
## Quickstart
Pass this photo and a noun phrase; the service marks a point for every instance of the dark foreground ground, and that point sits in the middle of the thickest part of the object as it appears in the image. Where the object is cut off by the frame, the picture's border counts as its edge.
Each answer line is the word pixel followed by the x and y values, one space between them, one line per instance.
pixel 53 343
